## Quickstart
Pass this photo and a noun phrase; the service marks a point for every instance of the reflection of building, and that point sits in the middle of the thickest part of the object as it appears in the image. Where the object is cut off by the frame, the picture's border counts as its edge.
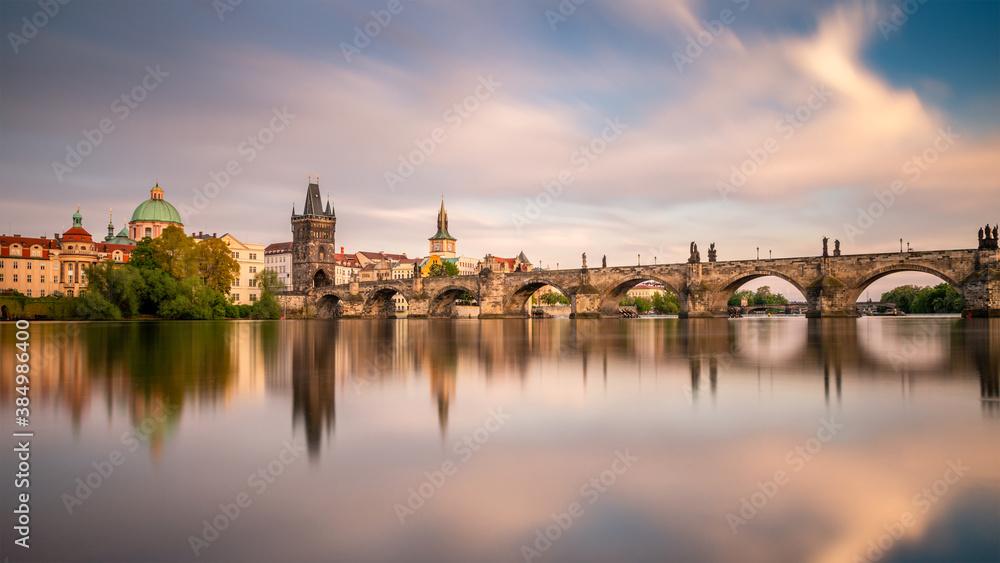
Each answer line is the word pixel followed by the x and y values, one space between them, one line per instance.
pixel 153 215
pixel 278 258
pixel 313 242
pixel 314 369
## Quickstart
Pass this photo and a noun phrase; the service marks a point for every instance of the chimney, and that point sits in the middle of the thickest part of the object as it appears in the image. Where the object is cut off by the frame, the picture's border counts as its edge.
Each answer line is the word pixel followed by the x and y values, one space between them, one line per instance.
pixel 199 233
pixel 214 235
pixel 341 249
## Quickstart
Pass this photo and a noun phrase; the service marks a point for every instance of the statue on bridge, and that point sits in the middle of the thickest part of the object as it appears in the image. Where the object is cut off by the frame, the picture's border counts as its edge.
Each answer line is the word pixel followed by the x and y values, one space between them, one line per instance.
pixel 988 237
pixel 584 260
pixel 695 255
pixel 826 252
pixel 711 252
pixel 604 261
pixel 836 247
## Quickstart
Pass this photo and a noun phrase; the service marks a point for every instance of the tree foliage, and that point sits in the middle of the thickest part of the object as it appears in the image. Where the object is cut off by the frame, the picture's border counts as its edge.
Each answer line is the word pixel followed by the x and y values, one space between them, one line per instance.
pixel 942 298
pixel 215 264
pixel 762 296
pixel 267 307
pixel 443 269
pixel 554 298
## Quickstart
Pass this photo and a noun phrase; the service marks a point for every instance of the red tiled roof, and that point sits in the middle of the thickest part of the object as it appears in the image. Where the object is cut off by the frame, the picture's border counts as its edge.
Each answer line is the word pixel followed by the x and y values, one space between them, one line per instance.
pixel 278 247
pixel 26 244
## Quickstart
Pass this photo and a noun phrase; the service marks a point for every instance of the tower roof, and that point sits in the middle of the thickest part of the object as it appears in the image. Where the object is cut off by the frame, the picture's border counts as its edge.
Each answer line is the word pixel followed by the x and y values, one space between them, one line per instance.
pixel 156 209
pixel 442 225
pixel 314 202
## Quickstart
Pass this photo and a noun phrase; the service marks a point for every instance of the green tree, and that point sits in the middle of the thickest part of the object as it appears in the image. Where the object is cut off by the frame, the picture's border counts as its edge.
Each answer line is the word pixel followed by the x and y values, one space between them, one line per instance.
pixel 267 307
pixel 554 298
pixel 176 253
pixel 94 306
pixel 215 264
pixel 666 303
pixel 443 269
pixel 120 284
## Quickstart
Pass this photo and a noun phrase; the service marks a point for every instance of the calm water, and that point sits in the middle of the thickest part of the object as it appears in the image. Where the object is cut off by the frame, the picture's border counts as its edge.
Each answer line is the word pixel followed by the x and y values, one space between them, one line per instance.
pixel 435 440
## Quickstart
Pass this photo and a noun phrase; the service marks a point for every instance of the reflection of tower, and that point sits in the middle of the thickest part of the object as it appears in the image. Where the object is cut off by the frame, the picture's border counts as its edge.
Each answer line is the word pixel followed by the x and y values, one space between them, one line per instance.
pixel 443 370
pixel 313 381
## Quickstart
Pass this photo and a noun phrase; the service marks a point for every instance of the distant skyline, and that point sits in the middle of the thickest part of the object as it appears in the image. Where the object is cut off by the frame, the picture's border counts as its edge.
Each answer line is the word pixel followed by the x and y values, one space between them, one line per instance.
pixel 613 128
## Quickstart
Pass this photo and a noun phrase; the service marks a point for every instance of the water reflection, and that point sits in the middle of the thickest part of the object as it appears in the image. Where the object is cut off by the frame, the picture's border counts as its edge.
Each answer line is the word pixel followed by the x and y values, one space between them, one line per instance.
pixel 711 407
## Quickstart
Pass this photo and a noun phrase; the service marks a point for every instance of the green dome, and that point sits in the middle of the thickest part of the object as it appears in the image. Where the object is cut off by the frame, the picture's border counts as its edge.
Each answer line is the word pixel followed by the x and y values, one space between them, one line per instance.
pixel 156 210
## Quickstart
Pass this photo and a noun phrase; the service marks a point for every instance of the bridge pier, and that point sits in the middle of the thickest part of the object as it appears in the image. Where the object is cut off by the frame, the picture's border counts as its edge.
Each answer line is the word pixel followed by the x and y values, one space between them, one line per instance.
pixel 586 303
pixel 696 303
pixel 981 289
pixel 491 294
pixel 828 297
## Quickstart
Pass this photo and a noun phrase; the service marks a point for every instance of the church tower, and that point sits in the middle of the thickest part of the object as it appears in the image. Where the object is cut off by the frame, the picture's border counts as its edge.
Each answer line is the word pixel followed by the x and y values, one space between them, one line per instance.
pixel 313 245
pixel 442 244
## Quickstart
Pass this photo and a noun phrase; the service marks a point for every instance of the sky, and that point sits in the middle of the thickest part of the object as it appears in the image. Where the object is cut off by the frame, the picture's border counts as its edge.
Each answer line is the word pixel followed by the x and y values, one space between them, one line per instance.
pixel 627 129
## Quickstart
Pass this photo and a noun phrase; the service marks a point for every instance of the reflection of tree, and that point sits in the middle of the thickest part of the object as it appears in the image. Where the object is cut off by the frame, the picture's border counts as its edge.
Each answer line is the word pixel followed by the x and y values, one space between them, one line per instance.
pixel 314 368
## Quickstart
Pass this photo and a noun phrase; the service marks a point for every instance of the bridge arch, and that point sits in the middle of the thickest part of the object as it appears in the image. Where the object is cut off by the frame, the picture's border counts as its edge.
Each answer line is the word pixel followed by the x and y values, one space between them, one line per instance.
pixel 621 287
pixel 329 306
pixel 321 279
pixel 515 303
pixel 442 303
pixel 380 303
pixel 720 300
pixel 871 277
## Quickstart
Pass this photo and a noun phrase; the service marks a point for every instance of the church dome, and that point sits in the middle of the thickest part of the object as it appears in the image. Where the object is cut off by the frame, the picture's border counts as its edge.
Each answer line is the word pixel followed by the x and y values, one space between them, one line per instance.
pixel 156 209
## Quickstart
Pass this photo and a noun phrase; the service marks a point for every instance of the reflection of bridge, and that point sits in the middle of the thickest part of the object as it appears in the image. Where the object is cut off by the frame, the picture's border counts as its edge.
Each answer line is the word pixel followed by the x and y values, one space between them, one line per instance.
pixel 831 285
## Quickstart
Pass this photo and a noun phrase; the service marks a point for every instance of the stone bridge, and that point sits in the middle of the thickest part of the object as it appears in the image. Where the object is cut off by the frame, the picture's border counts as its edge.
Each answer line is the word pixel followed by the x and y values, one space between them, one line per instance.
pixel 831 285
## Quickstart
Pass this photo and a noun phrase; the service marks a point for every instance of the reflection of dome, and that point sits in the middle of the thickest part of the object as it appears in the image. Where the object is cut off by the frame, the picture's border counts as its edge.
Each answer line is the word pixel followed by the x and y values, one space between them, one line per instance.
pixel 156 209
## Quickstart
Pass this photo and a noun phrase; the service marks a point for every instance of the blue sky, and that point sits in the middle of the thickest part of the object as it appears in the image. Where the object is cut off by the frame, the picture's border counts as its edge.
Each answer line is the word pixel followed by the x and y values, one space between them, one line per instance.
pixel 883 90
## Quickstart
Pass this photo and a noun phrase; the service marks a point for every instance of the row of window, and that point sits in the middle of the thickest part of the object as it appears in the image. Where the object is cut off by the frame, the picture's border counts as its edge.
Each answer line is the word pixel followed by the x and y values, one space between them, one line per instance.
pixel 236 298
pixel 236 255
pixel 16 262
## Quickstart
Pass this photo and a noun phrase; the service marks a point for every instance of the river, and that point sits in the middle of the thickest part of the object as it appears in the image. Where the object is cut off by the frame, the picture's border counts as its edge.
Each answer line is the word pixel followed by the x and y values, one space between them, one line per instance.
pixel 756 439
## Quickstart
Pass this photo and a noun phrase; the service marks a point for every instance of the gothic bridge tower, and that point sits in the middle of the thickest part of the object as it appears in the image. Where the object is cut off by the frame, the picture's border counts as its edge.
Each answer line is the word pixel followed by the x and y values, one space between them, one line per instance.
pixel 313 245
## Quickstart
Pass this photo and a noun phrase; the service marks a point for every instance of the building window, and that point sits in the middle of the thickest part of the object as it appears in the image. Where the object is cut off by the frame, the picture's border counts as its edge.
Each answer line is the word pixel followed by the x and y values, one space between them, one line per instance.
pixel 236 255
pixel 253 297
pixel 15 278
pixel 69 293
pixel 236 298
pixel 29 278
pixel 149 233
pixel 41 293
pixel 43 279
pixel 253 255
pixel 55 279
pixel 236 282
pixel 1 277
pixel 15 264
pixel 43 266
pixel 28 293
pixel 1 263
pixel 29 265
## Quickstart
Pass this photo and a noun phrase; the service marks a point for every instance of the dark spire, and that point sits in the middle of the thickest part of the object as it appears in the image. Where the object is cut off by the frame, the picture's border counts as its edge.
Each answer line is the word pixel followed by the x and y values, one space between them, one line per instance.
pixel 442 224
